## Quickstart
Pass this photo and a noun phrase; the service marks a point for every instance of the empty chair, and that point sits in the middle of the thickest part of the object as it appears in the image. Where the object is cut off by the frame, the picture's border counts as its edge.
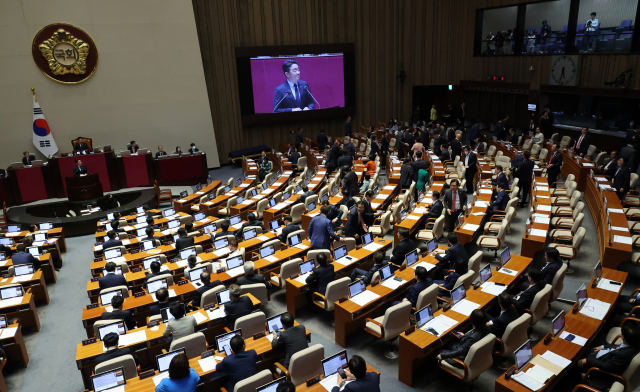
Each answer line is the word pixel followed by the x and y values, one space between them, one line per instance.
pixel 287 269
pixel 261 206
pixel 539 307
pixel 232 201
pixel 478 360
pixel 304 364
pixel 570 252
pixel 296 212
pixel 514 336
pixel 350 242
pixel 335 290
pixel 194 344
pixel 474 265
pixel 565 220
pixel 125 361
pixel 251 324
pixel 563 201
pixel 389 326
pixel 252 383
pixel 384 226
pixel 100 323
pixel 493 242
pixel 435 232
pixel 566 140
pixel 563 234
pixel 258 290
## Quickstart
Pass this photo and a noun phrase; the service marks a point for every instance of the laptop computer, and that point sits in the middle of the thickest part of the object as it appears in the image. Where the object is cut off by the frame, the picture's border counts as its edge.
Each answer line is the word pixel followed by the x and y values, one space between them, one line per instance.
pixel 23 269
pixel 286 196
pixel 357 287
pixel 45 226
pixel 505 256
pixel 142 232
pixel 367 239
pixel 140 209
pixel 116 327
pixel 112 253
pixel 111 380
pixel 13 229
pixel 164 360
pixel 238 182
pixel 222 341
pixel 6 241
pixel 35 251
pixel 458 294
pixel 337 361
pixel 234 262
pixel 195 273
pixel 210 228
pixel 340 252
pixel 147 245
pixel 274 323
pixel 141 219
pixel 166 314
pixel 185 253
pixel 325 197
pixel 294 240
pixel 249 234
pixel 156 285
pixel 234 220
pixel 173 224
pixel 168 212
pixel 183 194
pixel 239 200
pixel 267 251
pixel 385 273
pixel 272 203
pixel 523 354
pixel 199 216
pixel 221 243
pixel 105 298
pixel 432 245
pixel 146 263
pixel 274 225
pixel 412 257
pixel 582 295
pixel 306 266
pixel 423 316
pixel 223 297
pixel 3 321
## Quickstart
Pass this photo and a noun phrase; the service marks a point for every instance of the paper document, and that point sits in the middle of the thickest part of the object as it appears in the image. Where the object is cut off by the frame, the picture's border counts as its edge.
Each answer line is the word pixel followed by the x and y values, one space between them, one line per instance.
pixel 470 227
pixel 616 210
pixel 182 263
pixel 132 338
pixel 208 364
pixel 556 359
pixel 465 307
pixel 22 278
pixel 539 374
pixel 587 164
pixel 221 252
pixel 595 309
pixel 601 179
pixel 543 220
pixel 346 260
pixel 441 324
pixel 420 210
pixel 492 288
pixel 217 313
pixel 158 379
pixel 301 246
pixel 538 233
pixel 200 318
pixel 389 187
pixel 480 203
pixel 413 217
pixel 271 259
pixel 616 228
pixel 8 332
pixel 182 200
pixel 424 264
pixel 238 226
pixel 508 271
pixel 486 191
pixel 263 238
pixel 524 379
pixel 619 239
pixel 364 298
pixel 329 382
pixel 126 242
pixel 543 207
pixel 117 259
pixel 542 188
pixel 393 284
pixel 235 271
pixel 610 285
pixel 372 247
pixel 10 302
pixel 302 279
pixel 579 340
pixel 478 213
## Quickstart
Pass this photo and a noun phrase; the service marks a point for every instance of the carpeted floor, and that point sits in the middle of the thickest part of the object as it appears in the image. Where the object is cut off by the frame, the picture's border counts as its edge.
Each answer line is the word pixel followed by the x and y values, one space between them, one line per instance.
pixel 52 350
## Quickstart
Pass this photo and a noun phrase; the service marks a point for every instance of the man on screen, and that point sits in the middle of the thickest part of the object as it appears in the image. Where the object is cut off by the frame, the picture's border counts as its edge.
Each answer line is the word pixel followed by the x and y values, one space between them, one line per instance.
pixel 293 95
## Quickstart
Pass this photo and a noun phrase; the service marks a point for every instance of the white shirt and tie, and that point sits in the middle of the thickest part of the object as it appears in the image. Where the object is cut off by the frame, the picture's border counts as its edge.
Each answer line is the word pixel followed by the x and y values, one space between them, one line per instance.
pixel 606 351
pixel 608 163
pixel 293 86
pixel 579 141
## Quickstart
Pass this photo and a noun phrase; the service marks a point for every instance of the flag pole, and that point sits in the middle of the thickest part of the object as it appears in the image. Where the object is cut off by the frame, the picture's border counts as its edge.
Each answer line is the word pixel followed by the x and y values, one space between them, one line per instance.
pixel 33 90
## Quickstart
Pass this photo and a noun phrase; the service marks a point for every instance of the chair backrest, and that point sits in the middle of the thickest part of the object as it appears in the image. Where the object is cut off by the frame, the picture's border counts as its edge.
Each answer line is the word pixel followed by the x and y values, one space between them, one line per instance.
pixel 125 290
pixel 258 290
pixel 577 210
pixel 543 154
pixel 574 198
pixel 309 199
pixel 558 282
pixel 289 268
pixel 336 290
pixel 428 296
pixel 634 179
pixel 632 374
pixel 516 334
pixel 306 364
pixel 438 227
pixel 261 206
pixel 296 212
pixel 345 211
pixel 302 163
pixel 209 296
pixel 125 361
pixel 303 234
pixel 555 137
pixel 540 304
pixel 600 158
pixel 194 344
pixel 565 141
pixel 479 357
pixel 396 320
pixel 385 223
pixel 491 152
pixel 231 202
pixel 167 275
pixel 313 254
pixel 186 219
pixel 577 223
pixel 571 186
pixel 474 263
pixel 527 144
pixel 465 279
pixel 123 265
pixel 276 244
pixel 577 239
pixel 535 149
pixel 252 383
pixel 251 324
pixel 100 323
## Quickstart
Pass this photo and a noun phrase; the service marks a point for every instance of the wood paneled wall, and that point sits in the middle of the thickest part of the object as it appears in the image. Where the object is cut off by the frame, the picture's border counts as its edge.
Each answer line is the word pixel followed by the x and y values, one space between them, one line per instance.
pixel 432 39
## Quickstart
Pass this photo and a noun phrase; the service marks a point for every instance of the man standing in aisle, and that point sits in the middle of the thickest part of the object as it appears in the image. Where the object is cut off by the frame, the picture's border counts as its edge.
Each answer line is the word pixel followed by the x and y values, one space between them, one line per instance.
pixel 321 231
pixel 456 203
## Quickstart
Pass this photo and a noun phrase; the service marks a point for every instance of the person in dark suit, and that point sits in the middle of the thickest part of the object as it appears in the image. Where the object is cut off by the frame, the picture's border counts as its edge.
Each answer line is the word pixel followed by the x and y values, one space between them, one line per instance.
pixel 583 143
pixel 350 149
pixel 422 283
pixel 459 348
pixel 115 225
pixel 320 231
pixel 294 156
pixel 292 338
pixel 446 258
pixel 445 155
pixel 437 143
pixel 224 227
pixel 469 160
pixel 500 176
pixel 406 174
pixel 609 165
pixel 474 131
pixel 408 140
pixel 305 193
pixel 404 247
pixel 626 303
pixel 238 306
pixel 350 181
pixel 531 129
pixel 435 209
pixel 456 146
pixel 499 129
pixel 192 148
pixel 347 127
pixel 150 223
pixel 322 140
pixel 80 145
pixel 299 138
pixel 553 165
pixel 111 344
pixel 161 152
pixel 207 284
pixel 79 169
pixel 251 222
pixel 525 298
pixel 369 213
pixel 184 241
pixel 524 172
pixel 384 149
pixel 164 301
pixel 27 158
pixel 621 178
pixel 155 271
pixel 112 241
pixel 462 115
pixel 240 365
pixel 293 95
pixel 322 275
pixel 110 279
pixel 133 147
pixel 553 263
pixel 479 146
pixel 460 267
pixel 502 198
pixel 508 313
pixel 250 277
pixel 455 201
pixel 517 161
pixel 379 263
pixel 335 213
pixel 361 380
pixel 418 164
pixel 346 201
pixel 451 133
pixel 356 225
pixel 118 314
pixel 425 138
pixel 288 229
pixel 512 137
pixel 612 358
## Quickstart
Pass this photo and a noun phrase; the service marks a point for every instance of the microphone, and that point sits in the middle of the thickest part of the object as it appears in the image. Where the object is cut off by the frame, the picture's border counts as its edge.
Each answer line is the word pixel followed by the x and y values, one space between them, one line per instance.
pixel 314 98
pixel 279 102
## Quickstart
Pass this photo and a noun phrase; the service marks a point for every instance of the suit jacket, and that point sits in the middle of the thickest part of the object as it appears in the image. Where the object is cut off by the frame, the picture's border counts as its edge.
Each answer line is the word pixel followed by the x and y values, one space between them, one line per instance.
pixel 322 141
pixel 500 178
pixel 203 289
pixel 456 148
pixel 417 165
pixel 80 146
pixel 437 143
pixel 549 271
pixel 110 280
pixel 154 309
pixel 320 232
pixel 253 279
pixel 369 383
pixel 406 175
pixel 435 210
pixel 193 150
pixel 384 143
pixel 369 275
pixel 584 145
pixel 353 225
pixel 77 171
pixel 350 181
pixel 335 212
pixel 460 348
pixel 115 353
pixel 524 171
pixel 110 243
pixel 472 163
pixel 517 161
pixel 615 362
pixel 299 137
pixel 347 128
pixel 401 250
pixel 125 315
pixel 409 139
pixel 501 322
pixel 415 290
pixel 239 367
pixel 627 152
pixel 449 283
pixel 237 308
pixel 26 161
pixel 323 275
pixel 473 132
pixel 451 134
pixel 300 199
pixel 555 162
pixel 351 149
pixel 500 204
pixel 450 255
pixel 184 242
pixel 224 234
pixel 293 339
pixel 621 179
pixel 294 157
pixel 448 199
pixel 498 128
pixel 181 327
pixel 289 102
pixel 291 227
pixel 131 149
pixel 527 296
pixel 160 153
pixel 25 258
pixel 513 139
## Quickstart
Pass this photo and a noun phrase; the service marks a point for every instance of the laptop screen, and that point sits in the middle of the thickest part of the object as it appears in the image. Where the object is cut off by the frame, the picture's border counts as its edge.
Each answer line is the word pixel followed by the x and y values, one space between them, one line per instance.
pixel 108 227
pixel 238 182
pixel 110 216
pixel 403 214
pixel 582 295
pixel 234 220
pixel 199 216
pixel 150 244
pixel 117 328
pixel 45 226
pixel 168 212
pixel 223 340
pixel 141 219
pixel 183 194
pixel 306 266
pixel 234 262
pixel 356 288
pixel 6 241
pixel 337 361
pixel 249 234
pixel 335 190
pixel 105 298
pixel 423 316
pixel 367 239
pixel 485 273
pixel 264 186
pixel 274 225
pixel 147 262
pixel 107 380
pixel 254 192
pixel 412 258
pixel 221 243
pixel 311 206
pixel 432 245
pixel 210 228
pixel 156 285
pixel 385 272
pixel 34 250
pixel 325 197
pixel 272 386
pixel 223 297
pixel 166 314
pixel 340 252
pixel 172 224
pixel 558 323
pixel 194 274
pixel 274 323
pixel 112 253
pixel 140 209
pixel 505 256
pixel 23 269
pixel 286 196
pixel 272 203
pixel 164 360
pixel 524 354
pixel 141 232
pixel 3 256
pixel 266 251
pixel 598 270
pixel 185 253
pixel 294 240
pixel 458 294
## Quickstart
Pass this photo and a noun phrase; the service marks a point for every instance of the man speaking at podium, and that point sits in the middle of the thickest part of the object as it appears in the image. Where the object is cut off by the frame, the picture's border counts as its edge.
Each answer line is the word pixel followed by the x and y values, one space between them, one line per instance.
pixel 293 95
pixel 80 170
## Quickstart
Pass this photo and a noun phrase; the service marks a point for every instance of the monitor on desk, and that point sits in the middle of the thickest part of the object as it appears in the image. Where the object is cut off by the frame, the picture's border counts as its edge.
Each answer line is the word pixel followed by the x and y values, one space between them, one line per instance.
pixel 108 380
pixel 221 243
pixel 325 197
pixel 412 257
pixel 403 215
pixel 335 190
pixel 274 323
pixel 140 209
pixel 164 360
pixel 272 203
pixel 142 232
pixel 185 253
pixel 385 273
pixel 172 224
pixel 485 273
pixel 558 324
pixel 222 341
pixel 581 295
pixel 146 263
pixel 112 253
pixel 212 196
pixel 141 219
pixel 412 205
pixel 311 206
pixel 156 285
pixel 294 240
pixel 234 262
pixel 108 227
pixel 199 186
pixel 337 361
pixel 116 327
pixel 227 188
pixel 209 181
pixel 298 188
pixel 249 234
pixel 597 270
pixel 286 196
pixel 239 200
pixel 376 191
pixel 367 239
pixel 168 212
pixel 272 386
pixel 420 196
pixel 234 220
pixel 223 297
pixel 423 316
pixel 23 269
pixel 458 294
pixel 238 182
pixel 110 216
pixel 264 186
pixel 505 256
pixel 45 226
pixel 35 251
pixel 340 252
pixel 13 229
pixel 195 273
pixel 254 192
pixel 3 256
pixel 523 354
pixel 149 244
pixel 183 194
pixel 3 321
pixel 356 288
pixel 274 225
pixel 6 241
pixel 199 216
pixel 460 220
pixel 432 245
pixel 307 266
pixel 105 298
pixel 266 251
pixel 210 229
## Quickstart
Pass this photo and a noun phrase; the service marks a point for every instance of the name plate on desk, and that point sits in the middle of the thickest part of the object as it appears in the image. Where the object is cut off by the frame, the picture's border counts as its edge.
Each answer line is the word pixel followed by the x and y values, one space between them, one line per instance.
pixel 97 244
pixel 89 341
pixel 147 374
pixel 175 260
pixel 208 250
pixel 210 306
pixel 341 300
pixel 152 324
pixel 313 381
pixel 133 252
pixel 97 259
pixel 91 306
pixel 410 330
pixel 136 269
pixel 180 283
pixel 294 276
pixel 95 279
pixel 140 294
pixel 207 354
pixel 259 335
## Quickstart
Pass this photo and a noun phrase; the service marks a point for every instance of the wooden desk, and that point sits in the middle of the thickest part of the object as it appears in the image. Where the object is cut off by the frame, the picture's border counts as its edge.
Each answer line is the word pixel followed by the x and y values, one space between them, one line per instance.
pixel 476 216
pixel 319 388
pixel 56 232
pixel 184 205
pixel 416 347
pixel 601 295
pixel 414 224
pixel 36 284
pixel 580 170
pixel 46 265
pixel 26 310
pixel 540 196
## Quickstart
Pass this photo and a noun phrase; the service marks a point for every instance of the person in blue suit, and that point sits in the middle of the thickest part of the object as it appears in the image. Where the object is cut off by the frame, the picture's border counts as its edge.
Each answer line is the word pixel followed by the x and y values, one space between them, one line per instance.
pixel 321 231
pixel 22 257
pixel 111 279
pixel 293 95
pixel 500 177
pixel 358 273
pixel 361 380
pixel 422 283
pixel 449 282
pixel 502 198
pixel 240 365
pixel 446 259
pixel 473 132
pixel 112 242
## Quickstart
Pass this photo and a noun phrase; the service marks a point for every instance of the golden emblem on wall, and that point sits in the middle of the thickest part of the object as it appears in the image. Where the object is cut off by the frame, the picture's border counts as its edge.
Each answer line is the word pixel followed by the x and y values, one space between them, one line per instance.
pixel 65 53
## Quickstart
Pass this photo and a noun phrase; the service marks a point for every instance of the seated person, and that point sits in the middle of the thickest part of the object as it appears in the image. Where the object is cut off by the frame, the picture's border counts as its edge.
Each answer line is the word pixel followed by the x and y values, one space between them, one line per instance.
pixel 289 228
pixel 524 300
pixel 150 223
pixel 115 225
pixel 118 314
pixel 181 325
pixel 293 156
pixel 112 241
pixel 178 151
pixel 361 380
pixel 150 234
pixel 293 339
pixel 23 257
pixel 422 283
pixel 192 263
pixel 133 147
pixel 193 148
pixel 366 181
pixel 371 164
pixel 446 258
pixel 110 279
pixel 553 263
pixel 111 202
pixel 224 226
pixel 181 377
pixel 155 271
pixel 404 247
pixel 379 262
pixel 508 313
pixel 164 301
pixel 500 177
pixel 460 348
pixel 252 221
pixel 238 306
pixel 189 228
pixel 161 152
pixel 233 247
pixel 111 344
pixel 148 212
pixel 626 303
pixel 240 365
pixel 435 209
pixel 305 193
pixel 250 277
pixel 321 275
pixel 449 282
pixel 502 198
pixel 184 241
pixel 207 285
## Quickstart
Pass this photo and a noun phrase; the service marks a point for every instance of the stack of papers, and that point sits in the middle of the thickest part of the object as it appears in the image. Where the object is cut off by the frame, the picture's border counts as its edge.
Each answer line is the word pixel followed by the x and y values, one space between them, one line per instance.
pixel 301 246
pixel 200 318
pixel 538 233
pixel 181 263
pixel 542 219
pixel 465 307
pixel 616 210
pixel 22 278
pixel 470 227
pixel 413 217
pixel 393 284
pixel 424 264
pixel 420 210
pixel 492 288
pixel 271 259
pixel 263 238
pixel 157 379
pixel 372 247
pixel 592 308
pixel 364 298
pixel 346 260
pixel 609 285
pixel 132 338
pixel 441 324
pixel 217 313
pixel 302 279
pixel 208 364
pixel 480 203
pixel 625 229
pixel 524 379
pixel 543 207
pixel 221 252
pixel 620 239
pixel 7 333
pixel 556 359
pixel 329 382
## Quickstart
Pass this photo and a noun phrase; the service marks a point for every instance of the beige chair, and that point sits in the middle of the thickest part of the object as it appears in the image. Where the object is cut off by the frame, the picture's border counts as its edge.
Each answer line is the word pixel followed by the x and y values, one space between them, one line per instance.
pixel 493 242
pixel 209 296
pixel 428 296
pixel 251 324
pixel 276 244
pixel 125 291
pixel 302 233
pixel 383 228
pixel 296 212
pixel 565 219
pixel 514 336
pixel 335 290
pixel 565 207
pixel 127 362
pixel 567 234
pixel 474 265
pixel 570 252
pixel 302 164
pixel 261 206
pixel 390 326
pixel 569 187
pixel 539 308
pixel 350 242
pixel 477 361
pixel 565 141
pixel 167 275
pixel 304 364
pixel 100 323
pixel 630 378
pixel 493 226
pixel 232 201
pixel 556 287
pixel 252 383
pixel 258 290
pixel 287 269
pixel 194 344
pixel 436 231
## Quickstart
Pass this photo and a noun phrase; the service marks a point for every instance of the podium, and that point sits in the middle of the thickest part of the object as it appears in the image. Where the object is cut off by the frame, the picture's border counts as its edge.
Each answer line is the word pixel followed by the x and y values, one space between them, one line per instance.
pixel 84 188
